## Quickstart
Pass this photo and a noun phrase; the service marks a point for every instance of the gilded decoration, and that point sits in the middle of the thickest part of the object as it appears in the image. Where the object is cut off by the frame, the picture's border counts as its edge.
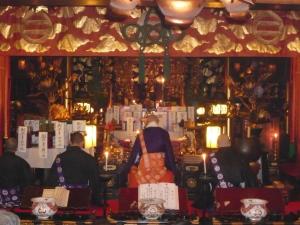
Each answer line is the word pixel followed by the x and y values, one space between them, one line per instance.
pixel 267 27
pixel 108 43
pixel 70 43
pixel 294 15
pixel 262 48
pixel 155 48
pixel 57 29
pixel 267 32
pixel 101 10
pixel 117 27
pixel 20 11
pixel 88 25
pixel 223 45
pixel 290 30
pixel 240 31
pixel 188 44
pixel 4 9
pixel 6 30
pixel 22 44
pixel 135 13
pixel 205 26
pixel 33 33
pixel 69 12
pixel 294 45
pixel 4 47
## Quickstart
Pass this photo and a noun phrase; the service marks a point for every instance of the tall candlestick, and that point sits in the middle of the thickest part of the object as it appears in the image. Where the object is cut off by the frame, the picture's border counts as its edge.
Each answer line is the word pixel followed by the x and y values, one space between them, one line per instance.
pixel 204 162
pixel 106 159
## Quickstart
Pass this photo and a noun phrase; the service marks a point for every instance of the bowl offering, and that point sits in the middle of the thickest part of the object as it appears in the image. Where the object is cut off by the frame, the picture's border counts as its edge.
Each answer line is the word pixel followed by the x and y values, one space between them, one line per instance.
pixel 254 208
pixel 151 208
pixel 43 208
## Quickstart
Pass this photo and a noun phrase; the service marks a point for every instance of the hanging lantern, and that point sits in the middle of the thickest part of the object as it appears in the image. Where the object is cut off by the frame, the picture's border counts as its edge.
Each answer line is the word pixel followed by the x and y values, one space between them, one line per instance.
pixel 238 10
pixel 180 12
pixel 122 7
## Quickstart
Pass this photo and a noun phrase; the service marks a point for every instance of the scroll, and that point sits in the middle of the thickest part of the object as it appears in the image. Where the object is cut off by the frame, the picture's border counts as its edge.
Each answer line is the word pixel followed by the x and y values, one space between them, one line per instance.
pixel 59 128
pixel 43 145
pixel 22 138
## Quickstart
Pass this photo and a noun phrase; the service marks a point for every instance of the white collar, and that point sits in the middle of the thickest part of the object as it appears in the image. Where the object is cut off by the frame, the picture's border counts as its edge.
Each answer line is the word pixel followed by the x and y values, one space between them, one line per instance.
pixel 152 124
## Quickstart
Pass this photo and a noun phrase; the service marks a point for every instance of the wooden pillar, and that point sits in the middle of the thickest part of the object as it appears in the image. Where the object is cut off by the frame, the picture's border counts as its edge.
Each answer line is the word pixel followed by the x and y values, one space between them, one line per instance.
pixel 295 104
pixel 4 99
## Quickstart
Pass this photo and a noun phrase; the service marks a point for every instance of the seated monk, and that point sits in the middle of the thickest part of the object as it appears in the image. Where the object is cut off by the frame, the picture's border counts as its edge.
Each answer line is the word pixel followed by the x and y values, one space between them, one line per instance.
pixel 75 168
pixel 229 167
pixel 152 159
pixel 15 174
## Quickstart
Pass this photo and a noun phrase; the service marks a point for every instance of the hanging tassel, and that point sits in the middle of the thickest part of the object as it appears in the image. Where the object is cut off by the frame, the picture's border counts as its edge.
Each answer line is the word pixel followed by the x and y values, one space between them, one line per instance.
pixel 141 68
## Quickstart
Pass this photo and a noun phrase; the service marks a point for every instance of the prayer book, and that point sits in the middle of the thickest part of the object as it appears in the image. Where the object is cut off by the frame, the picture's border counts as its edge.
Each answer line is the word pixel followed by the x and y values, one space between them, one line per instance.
pixel 166 191
pixel 60 194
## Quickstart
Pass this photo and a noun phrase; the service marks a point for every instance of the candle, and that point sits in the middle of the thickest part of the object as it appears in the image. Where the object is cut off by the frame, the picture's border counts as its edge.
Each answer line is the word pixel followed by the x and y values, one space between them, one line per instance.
pixel 204 163
pixel 106 160
pixel 162 88
pixel 248 132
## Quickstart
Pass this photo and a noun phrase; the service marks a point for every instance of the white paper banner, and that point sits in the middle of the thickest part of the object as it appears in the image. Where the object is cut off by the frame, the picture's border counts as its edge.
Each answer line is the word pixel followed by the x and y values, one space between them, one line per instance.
pixel 78 125
pixel 109 115
pixel 43 145
pixel 129 124
pixel 59 128
pixel 171 120
pixel 136 108
pixel 191 113
pixel 33 124
pixel 137 121
pixel 116 113
pixel 22 138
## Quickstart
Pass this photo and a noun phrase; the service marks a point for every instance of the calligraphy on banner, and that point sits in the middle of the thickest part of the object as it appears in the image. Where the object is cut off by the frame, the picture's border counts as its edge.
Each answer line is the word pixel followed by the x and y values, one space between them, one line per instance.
pixel 22 138
pixel 43 145
pixel 59 128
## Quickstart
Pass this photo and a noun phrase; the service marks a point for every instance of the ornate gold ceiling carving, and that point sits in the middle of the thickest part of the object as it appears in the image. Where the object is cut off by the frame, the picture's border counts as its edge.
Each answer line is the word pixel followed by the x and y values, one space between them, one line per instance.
pixel 262 48
pixel 29 47
pixel 108 43
pixel 224 45
pixel 70 43
pixel 86 30
pixel 188 44
pixel 294 45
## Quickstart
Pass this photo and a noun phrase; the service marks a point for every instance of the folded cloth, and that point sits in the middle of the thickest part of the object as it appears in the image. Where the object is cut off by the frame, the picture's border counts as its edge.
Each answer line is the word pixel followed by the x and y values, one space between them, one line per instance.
pixel 8 218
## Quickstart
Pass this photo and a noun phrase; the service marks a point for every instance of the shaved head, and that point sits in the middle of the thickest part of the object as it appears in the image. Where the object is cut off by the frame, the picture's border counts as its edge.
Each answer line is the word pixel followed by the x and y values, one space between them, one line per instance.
pixel 11 144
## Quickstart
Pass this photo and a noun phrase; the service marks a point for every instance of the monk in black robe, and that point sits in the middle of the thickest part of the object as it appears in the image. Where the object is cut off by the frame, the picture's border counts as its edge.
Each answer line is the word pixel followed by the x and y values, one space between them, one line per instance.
pixel 229 168
pixel 15 174
pixel 75 168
